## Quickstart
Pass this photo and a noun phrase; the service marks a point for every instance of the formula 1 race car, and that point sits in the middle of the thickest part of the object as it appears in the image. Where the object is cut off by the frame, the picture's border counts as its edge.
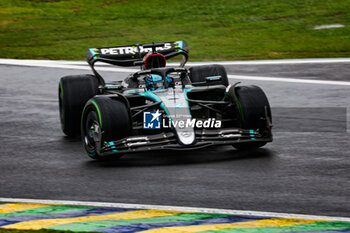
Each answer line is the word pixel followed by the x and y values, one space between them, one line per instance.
pixel 160 107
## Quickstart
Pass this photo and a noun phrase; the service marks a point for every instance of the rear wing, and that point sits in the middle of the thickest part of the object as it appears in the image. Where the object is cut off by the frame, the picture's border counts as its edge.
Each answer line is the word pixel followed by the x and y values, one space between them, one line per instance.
pixel 131 55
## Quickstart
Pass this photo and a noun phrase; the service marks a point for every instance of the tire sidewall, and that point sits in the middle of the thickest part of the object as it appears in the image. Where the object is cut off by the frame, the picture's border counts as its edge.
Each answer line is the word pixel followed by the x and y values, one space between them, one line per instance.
pixel 89 107
pixel 252 102
pixel 113 119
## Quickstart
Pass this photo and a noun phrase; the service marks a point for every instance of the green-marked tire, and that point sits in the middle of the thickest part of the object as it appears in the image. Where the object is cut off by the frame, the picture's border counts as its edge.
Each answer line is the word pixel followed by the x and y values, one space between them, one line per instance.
pixel 252 103
pixel 73 92
pixel 111 116
pixel 198 74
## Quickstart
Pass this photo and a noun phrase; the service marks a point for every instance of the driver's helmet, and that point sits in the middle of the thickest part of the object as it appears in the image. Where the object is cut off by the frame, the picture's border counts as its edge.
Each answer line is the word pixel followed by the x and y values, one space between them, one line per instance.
pixel 155 81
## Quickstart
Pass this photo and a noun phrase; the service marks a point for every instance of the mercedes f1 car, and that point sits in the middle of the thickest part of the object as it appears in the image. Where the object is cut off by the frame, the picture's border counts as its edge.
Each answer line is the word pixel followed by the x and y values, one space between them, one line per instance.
pixel 160 107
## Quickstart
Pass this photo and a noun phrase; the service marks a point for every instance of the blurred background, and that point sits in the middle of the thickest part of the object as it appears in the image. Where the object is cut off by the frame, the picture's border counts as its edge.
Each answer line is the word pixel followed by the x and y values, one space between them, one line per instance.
pixel 214 30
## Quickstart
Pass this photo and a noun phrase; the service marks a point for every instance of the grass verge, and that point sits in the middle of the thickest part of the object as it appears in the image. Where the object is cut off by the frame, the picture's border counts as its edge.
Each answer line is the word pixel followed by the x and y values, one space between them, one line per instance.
pixel 214 30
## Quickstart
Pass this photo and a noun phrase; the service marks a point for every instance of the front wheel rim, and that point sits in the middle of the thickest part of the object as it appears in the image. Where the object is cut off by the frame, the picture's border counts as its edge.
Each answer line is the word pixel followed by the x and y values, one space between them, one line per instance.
pixel 91 131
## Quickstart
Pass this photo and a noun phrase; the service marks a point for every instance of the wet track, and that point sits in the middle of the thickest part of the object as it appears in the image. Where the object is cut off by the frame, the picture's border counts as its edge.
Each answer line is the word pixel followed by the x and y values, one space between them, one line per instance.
pixel 305 170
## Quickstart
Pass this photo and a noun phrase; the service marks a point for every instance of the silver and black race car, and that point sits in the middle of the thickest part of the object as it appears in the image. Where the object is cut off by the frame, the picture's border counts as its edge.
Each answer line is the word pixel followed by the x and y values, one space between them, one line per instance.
pixel 160 107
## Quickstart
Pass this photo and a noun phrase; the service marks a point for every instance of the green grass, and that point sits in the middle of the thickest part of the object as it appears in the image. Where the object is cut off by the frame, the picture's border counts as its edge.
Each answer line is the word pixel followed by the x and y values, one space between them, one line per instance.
pixel 214 30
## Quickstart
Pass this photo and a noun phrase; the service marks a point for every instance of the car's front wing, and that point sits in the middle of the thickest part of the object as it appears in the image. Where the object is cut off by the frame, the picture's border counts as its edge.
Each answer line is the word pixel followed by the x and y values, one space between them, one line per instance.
pixel 169 141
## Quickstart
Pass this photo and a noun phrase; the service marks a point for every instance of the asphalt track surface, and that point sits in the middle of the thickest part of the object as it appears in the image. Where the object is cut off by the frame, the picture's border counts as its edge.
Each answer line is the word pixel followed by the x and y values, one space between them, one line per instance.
pixel 304 171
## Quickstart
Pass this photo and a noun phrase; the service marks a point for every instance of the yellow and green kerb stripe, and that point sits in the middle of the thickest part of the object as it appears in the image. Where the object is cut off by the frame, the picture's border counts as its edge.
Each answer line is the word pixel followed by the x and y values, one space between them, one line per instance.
pixel 28 216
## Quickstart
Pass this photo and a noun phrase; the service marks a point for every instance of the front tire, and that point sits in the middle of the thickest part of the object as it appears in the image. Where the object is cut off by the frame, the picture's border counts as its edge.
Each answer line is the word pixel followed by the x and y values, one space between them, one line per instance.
pixel 254 107
pixel 73 92
pixel 107 117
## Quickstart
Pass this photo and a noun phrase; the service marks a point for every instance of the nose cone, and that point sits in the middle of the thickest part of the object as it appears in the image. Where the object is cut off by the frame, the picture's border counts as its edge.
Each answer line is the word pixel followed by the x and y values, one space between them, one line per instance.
pixel 186 136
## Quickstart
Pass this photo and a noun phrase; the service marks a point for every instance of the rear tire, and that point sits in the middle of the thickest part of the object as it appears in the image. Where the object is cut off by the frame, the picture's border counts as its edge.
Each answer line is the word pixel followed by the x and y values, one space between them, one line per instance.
pixel 73 92
pixel 110 116
pixel 253 106
pixel 199 73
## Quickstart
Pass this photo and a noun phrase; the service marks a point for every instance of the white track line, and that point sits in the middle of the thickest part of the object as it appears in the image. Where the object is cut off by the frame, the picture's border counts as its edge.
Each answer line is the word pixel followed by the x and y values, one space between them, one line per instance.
pixel 254 62
pixel 289 80
pixel 276 62
pixel 84 66
pixel 178 208
pixel 59 64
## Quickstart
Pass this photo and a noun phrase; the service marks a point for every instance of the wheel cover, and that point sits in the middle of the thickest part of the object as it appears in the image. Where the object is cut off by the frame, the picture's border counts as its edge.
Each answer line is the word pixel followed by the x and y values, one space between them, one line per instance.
pixel 92 129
